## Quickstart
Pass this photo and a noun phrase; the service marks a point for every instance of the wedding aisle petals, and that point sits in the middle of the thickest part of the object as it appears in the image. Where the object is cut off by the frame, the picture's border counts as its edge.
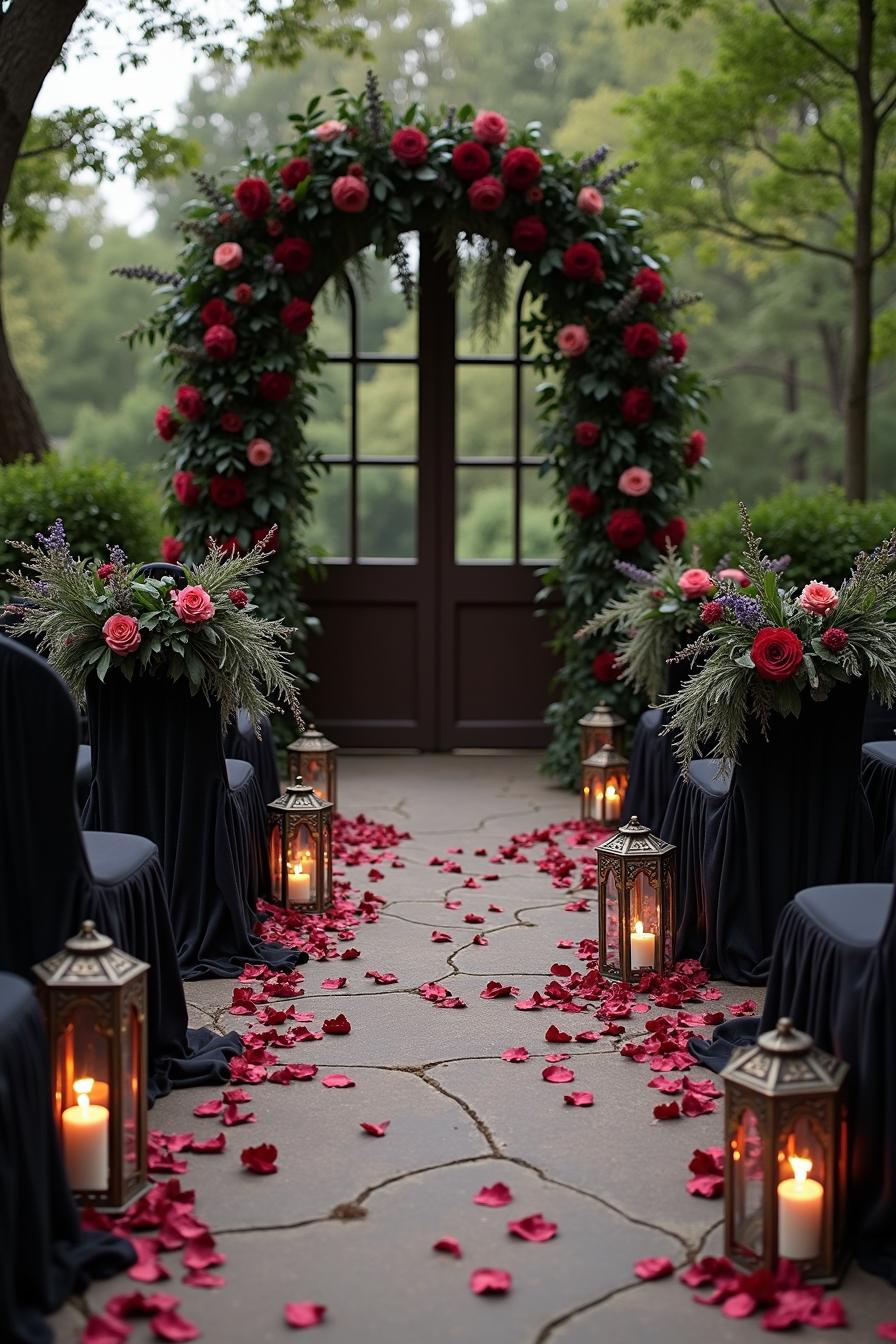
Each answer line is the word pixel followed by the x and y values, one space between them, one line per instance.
pixel 490 1281
pixel 261 1160
pixel 579 1099
pixel 555 1074
pixel 495 990
pixel 534 1227
pixel 337 1026
pixel 887 1330
pixel 335 982
pixel 203 1278
pixel 337 1080
pixel 693 1104
pixel 450 1246
pixel 216 1144
pixel 214 1107
pixel 381 977
pixel 745 1009
pixel 708 1180
pixel 169 1325
pixel 516 1054
pixel 654 1267
pixel 303 1315
pixel 377 1130
pixel 494 1196
pixel 105 1329
pixel 668 1110
pixel 439 936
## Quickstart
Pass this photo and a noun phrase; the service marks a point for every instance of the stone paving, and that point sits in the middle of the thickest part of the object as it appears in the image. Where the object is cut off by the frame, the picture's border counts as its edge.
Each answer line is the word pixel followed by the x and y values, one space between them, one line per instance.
pixel 349 1220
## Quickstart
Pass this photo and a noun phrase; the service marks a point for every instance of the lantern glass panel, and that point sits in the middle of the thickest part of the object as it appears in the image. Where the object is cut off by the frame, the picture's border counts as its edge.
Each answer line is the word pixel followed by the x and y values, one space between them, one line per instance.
pixel 668 898
pixel 326 853
pixel 302 863
pixel 611 951
pixel 747 1150
pixel 643 921
pixel 132 1068
pixel 802 1181
pixel 82 1054
pixel 275 849
pixel 314 772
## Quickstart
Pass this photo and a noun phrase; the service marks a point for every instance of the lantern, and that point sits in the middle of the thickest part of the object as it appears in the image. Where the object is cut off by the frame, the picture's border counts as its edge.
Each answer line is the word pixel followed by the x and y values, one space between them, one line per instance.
pixel 300 844
pixel 313 756
pixel 600 727
pixel 636 903
pixel 786 1155
pixel 94 1001
pixel 604 782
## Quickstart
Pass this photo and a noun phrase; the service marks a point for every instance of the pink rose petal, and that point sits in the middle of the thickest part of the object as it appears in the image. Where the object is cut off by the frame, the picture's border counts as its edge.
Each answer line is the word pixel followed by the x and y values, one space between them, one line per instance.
pixel 579 1099
pixel 555 1074
pixel 213 1145
pixel 169 1325
pixel 886 1330
pixel 377 1130
pixel 335 982
pixel 667 1110
pixel 450 1246
pixel 302 1315
pixel 654 1267
pixel 337 1080
pixel 203 1278
pixel 262 1159
pixel 209 1108
pixel 337 1026
pixel 490 1281
pixel 516 1054
pixel 534 1227
pixel 556 1036
pixel 104 1329
pixel 494 1196
pixel 745 1009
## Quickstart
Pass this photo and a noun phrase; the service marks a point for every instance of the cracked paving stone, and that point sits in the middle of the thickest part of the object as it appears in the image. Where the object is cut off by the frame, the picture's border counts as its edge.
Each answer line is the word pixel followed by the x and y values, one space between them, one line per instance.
pixel 530 945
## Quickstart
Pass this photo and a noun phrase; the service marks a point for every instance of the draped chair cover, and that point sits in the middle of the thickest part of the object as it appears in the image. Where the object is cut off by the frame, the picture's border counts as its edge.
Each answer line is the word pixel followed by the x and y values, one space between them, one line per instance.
pixel 241 743
pixel 653 769
pixel 879 780
pixel 791 814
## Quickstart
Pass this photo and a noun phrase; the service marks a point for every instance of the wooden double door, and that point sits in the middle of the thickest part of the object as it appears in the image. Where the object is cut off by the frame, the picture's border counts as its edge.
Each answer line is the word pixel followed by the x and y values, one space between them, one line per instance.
pixel 430 638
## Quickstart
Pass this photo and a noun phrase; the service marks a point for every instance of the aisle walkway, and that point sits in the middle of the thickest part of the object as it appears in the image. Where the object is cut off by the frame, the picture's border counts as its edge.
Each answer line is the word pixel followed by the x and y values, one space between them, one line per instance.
pixel 349 1219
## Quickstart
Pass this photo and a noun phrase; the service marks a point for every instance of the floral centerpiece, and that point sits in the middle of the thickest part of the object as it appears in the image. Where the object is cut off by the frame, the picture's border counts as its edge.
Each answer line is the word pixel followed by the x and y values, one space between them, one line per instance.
pixel 765 646
pixel 95 619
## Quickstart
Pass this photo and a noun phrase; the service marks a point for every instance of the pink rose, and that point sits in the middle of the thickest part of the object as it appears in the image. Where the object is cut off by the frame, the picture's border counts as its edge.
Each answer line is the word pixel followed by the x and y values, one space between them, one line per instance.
pixel 736 576
pixel 818 598
pixel 259 452
pixel 228 256
pixel 695 583
pixel 328 130
pixel 193 604
pixel 573 339
pixel 590 201
pixel 350 194
pixel 121 634
pixel 490 128
pixel 635 481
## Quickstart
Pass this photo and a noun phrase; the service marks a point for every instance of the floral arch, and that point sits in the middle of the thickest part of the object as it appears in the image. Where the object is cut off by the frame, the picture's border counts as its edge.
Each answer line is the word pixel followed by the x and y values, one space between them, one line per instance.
pixel 619 402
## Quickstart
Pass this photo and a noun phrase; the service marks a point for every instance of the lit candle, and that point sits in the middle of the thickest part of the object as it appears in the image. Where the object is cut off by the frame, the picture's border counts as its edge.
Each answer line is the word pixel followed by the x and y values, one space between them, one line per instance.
pixel 800 1206
pixel 642 947
pixel 299 889
pixel 85 1140
pixel 612 803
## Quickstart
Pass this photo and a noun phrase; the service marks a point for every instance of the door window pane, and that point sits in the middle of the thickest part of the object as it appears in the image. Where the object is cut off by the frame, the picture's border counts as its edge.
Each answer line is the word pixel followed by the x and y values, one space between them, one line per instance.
pixel 531 428
pixel 537 540
pixel 484 399
pixel 387 513
pixel 331 513
pixel 483 512
pixel 385 323
pixel 387 411
pixel 329 425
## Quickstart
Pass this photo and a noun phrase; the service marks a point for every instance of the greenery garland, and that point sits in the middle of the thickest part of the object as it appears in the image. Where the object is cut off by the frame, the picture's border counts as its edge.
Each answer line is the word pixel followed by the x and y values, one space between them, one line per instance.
pixel 618 395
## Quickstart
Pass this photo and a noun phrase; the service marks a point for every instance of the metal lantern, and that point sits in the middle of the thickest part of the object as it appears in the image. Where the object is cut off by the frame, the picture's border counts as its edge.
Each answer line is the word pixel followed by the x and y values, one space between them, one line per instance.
pixel 636 903
pixel 94 1001
pixel 600 727
pixel 313 756
pixel 786 1155
pixel 604 782
pixel 300 845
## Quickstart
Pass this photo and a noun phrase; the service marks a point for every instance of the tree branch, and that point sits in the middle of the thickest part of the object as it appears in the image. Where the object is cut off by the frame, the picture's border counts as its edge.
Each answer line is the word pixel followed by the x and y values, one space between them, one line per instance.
pixel 811 41
pixel 803 172
pixel 42 149
pixel 890 212
pixel 773 241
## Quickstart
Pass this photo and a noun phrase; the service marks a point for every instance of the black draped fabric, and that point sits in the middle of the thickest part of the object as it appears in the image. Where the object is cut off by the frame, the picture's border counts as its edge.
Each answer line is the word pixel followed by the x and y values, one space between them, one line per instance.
pixel 879 779
pixel 879 723
pixel 833 972
pixel 46 1254
pixel 53 875
pixel 159 770
pixel 83 773
pixel 241 743
pixel 653 769
pixel 791 814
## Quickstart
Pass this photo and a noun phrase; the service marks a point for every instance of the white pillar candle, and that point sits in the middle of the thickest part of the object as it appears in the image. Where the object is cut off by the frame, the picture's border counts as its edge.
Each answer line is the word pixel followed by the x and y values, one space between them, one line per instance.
pixel 299 888
pixel 612 803
pixel 642 948
pixel 800 1208
pixel 85 1140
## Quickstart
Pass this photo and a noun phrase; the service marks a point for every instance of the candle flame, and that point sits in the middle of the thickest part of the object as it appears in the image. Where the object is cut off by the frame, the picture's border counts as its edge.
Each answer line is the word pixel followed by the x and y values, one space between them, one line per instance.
pixel 297 870
pixel 639 927
pixel 800 1166
pixel 611 791
pixel 82 1088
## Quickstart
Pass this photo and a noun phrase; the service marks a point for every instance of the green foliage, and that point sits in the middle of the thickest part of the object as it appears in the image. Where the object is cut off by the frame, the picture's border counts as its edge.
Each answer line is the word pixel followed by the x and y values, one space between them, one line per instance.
pixel 102 504
pixel 821 531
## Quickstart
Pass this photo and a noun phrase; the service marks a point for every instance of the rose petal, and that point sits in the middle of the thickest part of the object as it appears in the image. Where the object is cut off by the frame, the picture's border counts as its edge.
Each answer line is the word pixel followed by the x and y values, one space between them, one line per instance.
pixel 494 1196
pixel 103 1329
pixel 886 1330
pixel 827 1313
pixel 335 982
pixel 555 1074
pixel 745 1009
pixel 234 1116
pixel 169 1325
pixel 201 1253
pixel 534 1227
pixel 337 1080
pixel 668 1110
pixel 654 1267
pixel 480 940
pixel 450 1245
pixel 203 1278
pixel 213 1145
pixel 583 1036
pixel 474 919
pixel 693 1104
pixel 381 977
pixel 337 1026
pixel 302 1315
pixel 376 1130
pixel 148 1268
pixel 495 990
pixel 556 1036
pixel 670 1086
pixel 209 1108
pixel 579 1099
pixel 437 936
pixel 739 1305
pixel 496 909
pixel 516 1054
pixel 350 953
pixel 490 1281
pixel 262 1159
pixel 555 1059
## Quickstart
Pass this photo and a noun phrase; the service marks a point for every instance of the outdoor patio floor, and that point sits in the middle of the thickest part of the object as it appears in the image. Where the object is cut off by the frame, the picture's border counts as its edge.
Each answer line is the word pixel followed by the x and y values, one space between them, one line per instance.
pixel 349 1220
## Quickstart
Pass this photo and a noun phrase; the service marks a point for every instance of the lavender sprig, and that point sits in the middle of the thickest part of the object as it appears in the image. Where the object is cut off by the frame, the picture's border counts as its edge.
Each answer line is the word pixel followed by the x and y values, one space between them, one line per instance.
pixel 55 540
pixel 636 575
pixel 745 610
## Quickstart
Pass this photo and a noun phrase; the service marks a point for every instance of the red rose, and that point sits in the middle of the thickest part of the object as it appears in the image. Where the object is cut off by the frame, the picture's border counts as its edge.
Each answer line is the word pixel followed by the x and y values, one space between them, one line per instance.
pixel 166 424
pixel 470 160
pixel 231 422
pixel 520 167
pixel 285 203
pixel 777 653
pixel 229 545
pixel 582 261
pixel 678 346
pixel 673 532
pixel 641 340
pixel 534 196
pixel 409 145
pixel 243 294
pixel 486 194
pixel 295 171
pixel 227 491
pixel 121 633
pixel 625 529
pixel 253 196
pixel 237 597
pixel 260 533
pixel 274 228
pixel 606 667
pixel 297 315
pixel 183 483
pixel 834 639
pixel 583 501
pixel 355 169
pixel 711 612
pixel 293 254
pixel 586 433
pixel 216 313
pixel 104 571
pixel 220 342
pixel 350 194
pixel 171 549
pixel 693 448
pixel 650 283
pixel 189 402
pixel 529 234
pixel 274 386
pixel 636 406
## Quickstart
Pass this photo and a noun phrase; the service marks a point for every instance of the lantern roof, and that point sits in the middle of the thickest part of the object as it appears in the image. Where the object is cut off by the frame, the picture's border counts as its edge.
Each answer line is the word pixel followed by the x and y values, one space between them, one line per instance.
pixel 89 960
pixel 634 841
pixel 312 740
pixel 605 758
pixel 785 1062
pixel 300 800
pixel 601 716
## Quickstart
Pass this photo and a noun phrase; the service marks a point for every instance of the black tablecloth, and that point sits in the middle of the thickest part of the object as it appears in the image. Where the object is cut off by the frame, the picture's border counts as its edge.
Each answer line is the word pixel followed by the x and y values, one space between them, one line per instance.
pixel 879 779
pixel 241 743
pixel 653 771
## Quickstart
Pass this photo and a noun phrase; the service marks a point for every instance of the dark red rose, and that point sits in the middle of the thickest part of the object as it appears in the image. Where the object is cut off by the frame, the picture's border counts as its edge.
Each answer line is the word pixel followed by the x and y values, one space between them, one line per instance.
pixel 189 402
pixel 220 342
pixel 274 386
pixel 230 545
pixel 470 160
pixel 636 406
pixel 534 196
pixel 274 228
pixel 297 315
pixel 243 294
pixel 711 612
pixel 225 217
pixel 582 261
pixel 183 483
pixel 216 313
pixel 529 234
pixel 227 491
pixel 231 422
pixel 171 549
pixel 625 529
pixel 409 145
pixel 520 167
pixel 486 194
pixel 253 196
pixel 104 571
pixel 260 533
pixel 641 340
pixel 650 283
pixel 583 501
pixel 285 202
pixel 166 424
pixel 237 597
pixel 678 346
pixel 834 639
pixel 777 653
pixel 605 667
pixel 293 254
pixel 355 169
pixel 693 448
pixel 586 433
pixel 295 171
pixel 673 532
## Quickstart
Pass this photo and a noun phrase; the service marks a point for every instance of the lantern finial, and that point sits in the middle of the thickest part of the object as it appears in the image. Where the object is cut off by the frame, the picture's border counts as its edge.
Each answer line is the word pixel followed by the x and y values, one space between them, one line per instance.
pixel 785 1039
pixel 88 939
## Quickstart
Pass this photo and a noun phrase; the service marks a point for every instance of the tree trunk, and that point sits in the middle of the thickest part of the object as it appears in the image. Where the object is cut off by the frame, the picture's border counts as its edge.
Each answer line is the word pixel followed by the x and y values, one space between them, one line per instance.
pixel 20 429
pixel 799 458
